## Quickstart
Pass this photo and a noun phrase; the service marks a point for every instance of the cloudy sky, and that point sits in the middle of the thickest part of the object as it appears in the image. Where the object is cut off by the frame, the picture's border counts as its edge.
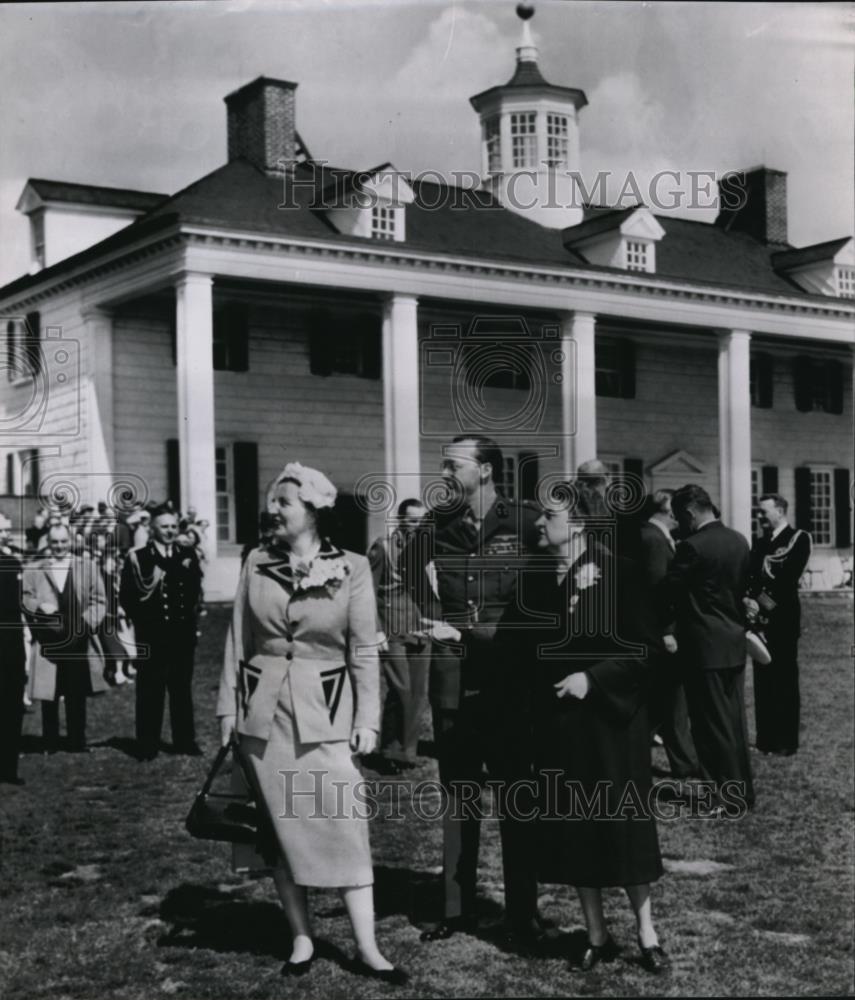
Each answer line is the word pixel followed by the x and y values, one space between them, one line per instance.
pixel 131 94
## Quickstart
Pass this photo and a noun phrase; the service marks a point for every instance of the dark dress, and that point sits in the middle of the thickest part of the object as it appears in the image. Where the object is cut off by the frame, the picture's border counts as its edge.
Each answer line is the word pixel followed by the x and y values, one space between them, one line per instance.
pixel 591 756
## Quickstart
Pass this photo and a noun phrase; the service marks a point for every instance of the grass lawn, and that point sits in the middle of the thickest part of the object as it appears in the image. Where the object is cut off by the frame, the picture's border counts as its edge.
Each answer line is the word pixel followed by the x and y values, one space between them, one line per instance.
pixel 105 895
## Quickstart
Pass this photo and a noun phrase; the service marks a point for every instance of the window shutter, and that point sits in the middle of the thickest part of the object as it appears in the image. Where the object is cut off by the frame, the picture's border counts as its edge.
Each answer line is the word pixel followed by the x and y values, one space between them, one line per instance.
pixel 529 475
pixel 802 384
pixel 317 327
pixel 803 508
pixel 372 345
pixel 842 509
pixel 173 473
pixel 245 464
pixel 764 369
pixel 769 479
pixel 236 339
pixel 173 340
pixel 834 375
pixel 626 359
pixel 32 341
pixel 10 473
pixel 35 471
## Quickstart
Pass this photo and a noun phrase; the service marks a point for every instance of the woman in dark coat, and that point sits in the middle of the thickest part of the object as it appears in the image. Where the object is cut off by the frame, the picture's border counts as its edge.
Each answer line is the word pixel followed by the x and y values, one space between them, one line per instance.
pixel 591 736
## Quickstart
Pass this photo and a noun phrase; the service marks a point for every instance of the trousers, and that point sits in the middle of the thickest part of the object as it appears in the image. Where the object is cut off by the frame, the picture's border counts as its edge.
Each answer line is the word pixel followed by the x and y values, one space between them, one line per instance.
pixel 168 669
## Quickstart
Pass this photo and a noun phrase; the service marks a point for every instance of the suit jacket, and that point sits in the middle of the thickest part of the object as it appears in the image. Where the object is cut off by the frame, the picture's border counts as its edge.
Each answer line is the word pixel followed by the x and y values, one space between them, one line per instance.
pixel 317 635
pixel 776 568
pixel 39 587
pixel 160 594
pixel 705 585
pixel 654 558
pixel 13 656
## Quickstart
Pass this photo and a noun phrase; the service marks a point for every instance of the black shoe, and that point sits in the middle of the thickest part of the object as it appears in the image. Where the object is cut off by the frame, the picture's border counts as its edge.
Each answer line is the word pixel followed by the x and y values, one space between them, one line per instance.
pixel 12 779
pixel 297 968
pixel 525 939
pixel 449 927
pixel 393 976
pixel 190 750
pixel 596 953
pixel 654 959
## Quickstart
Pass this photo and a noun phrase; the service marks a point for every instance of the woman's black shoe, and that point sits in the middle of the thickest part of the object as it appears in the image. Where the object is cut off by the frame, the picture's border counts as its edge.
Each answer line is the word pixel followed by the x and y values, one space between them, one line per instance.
pixel 297 968
pixel 654 959
pixel 596 953
pixel 396 977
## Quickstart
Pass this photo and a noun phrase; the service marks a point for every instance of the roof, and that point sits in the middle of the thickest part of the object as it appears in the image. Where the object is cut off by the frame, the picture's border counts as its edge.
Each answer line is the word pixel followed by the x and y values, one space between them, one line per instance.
pixel 527 77
pixel 786 259
pixel 597 221
pixel 95 194
pixel 442 220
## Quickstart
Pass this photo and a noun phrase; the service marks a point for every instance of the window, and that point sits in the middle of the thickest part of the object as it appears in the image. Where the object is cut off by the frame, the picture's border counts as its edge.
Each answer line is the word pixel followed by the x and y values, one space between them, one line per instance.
pixel 493 144
pixel 846 282
pixel 557 149
pixel 818 385
pixel 383 222
pixel 37 235
pixel 342 343
pixel 822 506
pixel 637 256
pixel 524 139
pixel 225 527
pixel 761 381
pixel 615 368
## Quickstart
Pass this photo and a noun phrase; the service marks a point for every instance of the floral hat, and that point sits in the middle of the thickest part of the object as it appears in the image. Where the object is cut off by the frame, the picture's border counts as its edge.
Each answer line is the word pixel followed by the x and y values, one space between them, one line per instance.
pixel 314 487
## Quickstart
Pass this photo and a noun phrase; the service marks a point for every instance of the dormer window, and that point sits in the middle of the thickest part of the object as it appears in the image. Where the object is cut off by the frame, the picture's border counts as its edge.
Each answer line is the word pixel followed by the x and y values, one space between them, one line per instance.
pixel 383 219
pixel 639 256
pixel 557 144
pixel 524 139
pixel 846 282
pixel 493 144
pixel 37 235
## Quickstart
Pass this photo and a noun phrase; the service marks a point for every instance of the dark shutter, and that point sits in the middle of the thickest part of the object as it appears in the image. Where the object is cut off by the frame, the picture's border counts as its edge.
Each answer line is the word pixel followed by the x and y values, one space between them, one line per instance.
pixel 317 328
pixel 231 337
pixel 763 373
pixel 173 340
pixel 10 473
pixel 245 464
pixel 834 377
pixel 803 383
pixel 32 341
pixel 769 479
pixel 173 473
pixel 626 360
pixel 35 472
pixel 803 508
pixel 371 344
pixel 842 509
pixel 529 475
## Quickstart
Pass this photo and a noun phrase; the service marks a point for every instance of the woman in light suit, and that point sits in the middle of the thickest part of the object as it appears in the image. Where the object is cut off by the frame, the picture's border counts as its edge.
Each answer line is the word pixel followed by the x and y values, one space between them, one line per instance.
pixel 300 686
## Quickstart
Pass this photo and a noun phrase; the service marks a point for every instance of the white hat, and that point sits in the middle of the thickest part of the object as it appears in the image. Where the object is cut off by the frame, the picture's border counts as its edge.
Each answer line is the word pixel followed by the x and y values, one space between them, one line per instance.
pixel 313 486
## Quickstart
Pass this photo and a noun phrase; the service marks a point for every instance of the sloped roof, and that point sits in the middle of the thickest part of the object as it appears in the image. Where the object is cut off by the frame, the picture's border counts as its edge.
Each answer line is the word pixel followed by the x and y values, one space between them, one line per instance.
pixel 95 194
pixel 786 259
pixel 443 220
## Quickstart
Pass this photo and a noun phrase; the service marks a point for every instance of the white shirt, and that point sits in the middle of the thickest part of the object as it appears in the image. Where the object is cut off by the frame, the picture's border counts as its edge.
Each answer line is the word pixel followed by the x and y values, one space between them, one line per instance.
pixel 164 550
pixel 778 530
pixel 59 570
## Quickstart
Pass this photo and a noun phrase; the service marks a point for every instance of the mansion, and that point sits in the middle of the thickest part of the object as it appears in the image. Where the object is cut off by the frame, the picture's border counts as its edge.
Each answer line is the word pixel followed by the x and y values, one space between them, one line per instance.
pixel 280 309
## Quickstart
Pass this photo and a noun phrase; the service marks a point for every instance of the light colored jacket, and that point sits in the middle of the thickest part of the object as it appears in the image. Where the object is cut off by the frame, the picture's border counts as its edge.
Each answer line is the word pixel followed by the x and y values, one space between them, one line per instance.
pixel 39 588
pixel 317 635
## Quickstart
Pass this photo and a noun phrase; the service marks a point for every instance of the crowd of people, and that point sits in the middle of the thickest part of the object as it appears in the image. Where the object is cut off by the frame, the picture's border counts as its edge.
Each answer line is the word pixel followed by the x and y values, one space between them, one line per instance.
pixel 552 643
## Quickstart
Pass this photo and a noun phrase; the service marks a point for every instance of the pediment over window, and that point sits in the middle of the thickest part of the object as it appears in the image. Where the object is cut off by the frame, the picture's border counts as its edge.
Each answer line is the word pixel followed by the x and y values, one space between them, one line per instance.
pixel 678 463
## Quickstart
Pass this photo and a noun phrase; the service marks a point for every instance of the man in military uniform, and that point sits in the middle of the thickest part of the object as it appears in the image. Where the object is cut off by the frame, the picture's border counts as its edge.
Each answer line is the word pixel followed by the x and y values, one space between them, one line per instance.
pixel 160 590
pixel 12 657
pixel 478 701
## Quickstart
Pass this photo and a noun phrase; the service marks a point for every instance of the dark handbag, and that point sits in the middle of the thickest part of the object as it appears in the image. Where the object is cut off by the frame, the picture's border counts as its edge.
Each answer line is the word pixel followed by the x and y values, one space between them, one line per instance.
pixel 226 816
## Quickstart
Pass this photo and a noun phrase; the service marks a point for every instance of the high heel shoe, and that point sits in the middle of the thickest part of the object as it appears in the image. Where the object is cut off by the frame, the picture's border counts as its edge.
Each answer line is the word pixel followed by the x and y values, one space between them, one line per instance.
pixel 596 953
pixel 393 976
pixel 654 959
pixel 297 968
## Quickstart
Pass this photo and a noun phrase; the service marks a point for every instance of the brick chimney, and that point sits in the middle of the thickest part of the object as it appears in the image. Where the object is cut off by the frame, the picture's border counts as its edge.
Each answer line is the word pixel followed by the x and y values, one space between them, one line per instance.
pixel 262 123
pixel 754 202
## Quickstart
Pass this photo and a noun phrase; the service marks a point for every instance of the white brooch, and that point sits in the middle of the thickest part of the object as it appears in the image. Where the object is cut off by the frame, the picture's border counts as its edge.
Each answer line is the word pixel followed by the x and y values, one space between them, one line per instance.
pixel 587 576
pixel 323 573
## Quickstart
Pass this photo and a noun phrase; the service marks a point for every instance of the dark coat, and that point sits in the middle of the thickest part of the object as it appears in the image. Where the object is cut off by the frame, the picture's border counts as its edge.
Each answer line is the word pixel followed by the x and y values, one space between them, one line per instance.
pixel 599 746
pixel 161 594
pixel 13 657
pixel 776 568
pixel 705 587
pixel 654 559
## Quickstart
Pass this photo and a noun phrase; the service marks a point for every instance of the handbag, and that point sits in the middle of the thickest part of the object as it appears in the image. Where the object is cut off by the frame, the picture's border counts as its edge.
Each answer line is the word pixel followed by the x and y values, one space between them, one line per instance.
pixel 227 816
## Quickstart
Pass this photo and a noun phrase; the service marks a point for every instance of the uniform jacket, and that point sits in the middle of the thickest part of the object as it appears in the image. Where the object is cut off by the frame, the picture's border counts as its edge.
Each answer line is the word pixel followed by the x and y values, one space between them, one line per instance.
pixel 705 586
pixel 319 639
pixel 39 587
pixel 476 572
pixel 159 593
pixel 397 613
pixel 776 568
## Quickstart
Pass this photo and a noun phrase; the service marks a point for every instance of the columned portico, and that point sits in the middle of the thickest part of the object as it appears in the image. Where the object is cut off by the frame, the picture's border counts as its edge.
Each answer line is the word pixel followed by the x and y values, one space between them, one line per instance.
pixel 401 395
pixel 99 396
pixel 734 423
pixel 195 376
pixel 578 390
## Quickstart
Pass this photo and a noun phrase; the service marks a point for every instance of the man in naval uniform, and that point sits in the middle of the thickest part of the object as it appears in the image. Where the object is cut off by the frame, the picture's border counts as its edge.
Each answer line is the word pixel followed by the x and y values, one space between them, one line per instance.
pixel 478 702
pixel 160 591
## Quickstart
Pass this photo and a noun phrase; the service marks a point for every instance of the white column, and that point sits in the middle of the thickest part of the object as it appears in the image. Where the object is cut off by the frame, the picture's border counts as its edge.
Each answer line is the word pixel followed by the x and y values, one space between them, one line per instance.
pixel 194 335
pixel 578 390
pixel 401 394
pixel 99 399
pixel 734 422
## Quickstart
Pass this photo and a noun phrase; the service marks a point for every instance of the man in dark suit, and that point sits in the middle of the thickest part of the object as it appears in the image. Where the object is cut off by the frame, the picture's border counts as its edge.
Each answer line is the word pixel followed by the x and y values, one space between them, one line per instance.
pixel 668 712
pixel 12 657
pixel 478 701
pixel 160 591
pixel 778 560
pixel 706 585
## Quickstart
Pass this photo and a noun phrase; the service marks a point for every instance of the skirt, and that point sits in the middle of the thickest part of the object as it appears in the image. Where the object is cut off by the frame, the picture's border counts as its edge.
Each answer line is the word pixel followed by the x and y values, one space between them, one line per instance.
pixel 315 797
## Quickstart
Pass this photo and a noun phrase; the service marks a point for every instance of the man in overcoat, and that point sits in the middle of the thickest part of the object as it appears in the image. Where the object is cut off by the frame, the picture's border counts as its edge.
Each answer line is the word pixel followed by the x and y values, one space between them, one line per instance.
pixel 12 657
